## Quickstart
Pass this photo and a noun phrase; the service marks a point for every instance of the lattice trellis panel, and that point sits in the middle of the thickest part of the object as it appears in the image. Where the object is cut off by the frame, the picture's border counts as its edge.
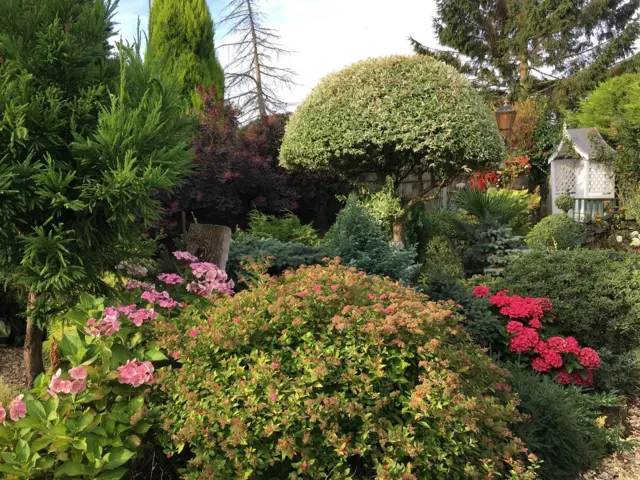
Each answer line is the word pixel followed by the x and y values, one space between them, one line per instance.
pixel 601 181
pixel 565 177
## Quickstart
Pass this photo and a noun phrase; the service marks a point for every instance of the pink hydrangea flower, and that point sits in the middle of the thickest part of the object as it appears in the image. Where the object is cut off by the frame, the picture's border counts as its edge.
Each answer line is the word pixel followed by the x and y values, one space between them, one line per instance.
pixel 170 278
pixel 141 315
pixel 136 373
pixel 317 288
pixel 78 373
pixel 334 287
pixel 135 285
pixel 78 386
pixel 58 384
pixel 193 332
pixel 108 325
pixel 127 310
pixel 273 397
pixel 384 296
pixel 210 279
pixel 186 256
pixel 17 408
pixel 176 355
pixel 3 414
pixel 302 294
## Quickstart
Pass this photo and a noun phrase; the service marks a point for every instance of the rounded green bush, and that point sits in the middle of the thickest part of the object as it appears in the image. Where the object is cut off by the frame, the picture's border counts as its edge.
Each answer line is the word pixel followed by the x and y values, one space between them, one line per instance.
pixel 556 232
pixel 327 372
pixel 384 112
pixel 565 203
pixel 595 294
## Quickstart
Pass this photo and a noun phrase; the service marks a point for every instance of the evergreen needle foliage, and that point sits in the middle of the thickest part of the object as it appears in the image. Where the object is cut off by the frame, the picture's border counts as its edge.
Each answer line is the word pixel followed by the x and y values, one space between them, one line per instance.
pixel 86 142
pixel 181 34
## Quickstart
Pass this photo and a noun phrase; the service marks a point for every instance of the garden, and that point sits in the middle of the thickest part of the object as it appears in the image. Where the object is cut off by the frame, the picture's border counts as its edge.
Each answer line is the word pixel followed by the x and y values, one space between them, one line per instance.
pixel 404 280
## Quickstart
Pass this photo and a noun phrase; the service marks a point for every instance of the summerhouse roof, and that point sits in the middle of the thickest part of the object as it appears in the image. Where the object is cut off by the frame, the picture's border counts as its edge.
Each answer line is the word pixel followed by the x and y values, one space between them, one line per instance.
pixel 576 144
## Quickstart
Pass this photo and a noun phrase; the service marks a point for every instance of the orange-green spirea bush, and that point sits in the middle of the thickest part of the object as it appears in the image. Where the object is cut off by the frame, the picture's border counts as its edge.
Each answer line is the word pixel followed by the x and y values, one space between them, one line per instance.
pixel 326 372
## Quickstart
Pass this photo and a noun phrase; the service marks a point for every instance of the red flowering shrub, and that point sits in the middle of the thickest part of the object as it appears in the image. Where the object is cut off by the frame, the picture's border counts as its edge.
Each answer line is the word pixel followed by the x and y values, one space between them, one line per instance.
pixel 559 355
pixel 328 372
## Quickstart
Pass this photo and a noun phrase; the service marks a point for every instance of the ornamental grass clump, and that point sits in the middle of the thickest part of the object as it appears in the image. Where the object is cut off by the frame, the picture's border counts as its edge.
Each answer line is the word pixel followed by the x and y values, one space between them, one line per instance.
pixel 326 371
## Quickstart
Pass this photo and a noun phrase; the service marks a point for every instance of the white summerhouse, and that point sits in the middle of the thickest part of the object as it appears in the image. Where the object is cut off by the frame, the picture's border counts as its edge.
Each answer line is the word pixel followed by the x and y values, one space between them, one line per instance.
pixel 591 183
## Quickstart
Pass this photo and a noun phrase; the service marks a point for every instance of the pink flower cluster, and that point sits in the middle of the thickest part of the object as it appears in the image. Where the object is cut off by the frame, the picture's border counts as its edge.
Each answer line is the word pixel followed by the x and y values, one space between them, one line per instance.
pixel 135 285
pixel 17 410
pixel 170 278
pixel 552 354
pixel 163 299
pixel 185 256
pixel 136 373
pixel 210 279
pixel 106 326
pixel 142 314
pixel 77 383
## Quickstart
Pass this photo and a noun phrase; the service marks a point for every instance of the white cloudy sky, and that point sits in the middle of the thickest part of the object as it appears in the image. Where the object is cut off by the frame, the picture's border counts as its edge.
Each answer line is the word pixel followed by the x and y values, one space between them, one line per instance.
pixel 325 35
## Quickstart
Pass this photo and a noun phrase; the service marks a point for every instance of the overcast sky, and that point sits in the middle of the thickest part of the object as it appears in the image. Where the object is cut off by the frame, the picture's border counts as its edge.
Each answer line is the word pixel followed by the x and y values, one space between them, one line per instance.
pixel 325 35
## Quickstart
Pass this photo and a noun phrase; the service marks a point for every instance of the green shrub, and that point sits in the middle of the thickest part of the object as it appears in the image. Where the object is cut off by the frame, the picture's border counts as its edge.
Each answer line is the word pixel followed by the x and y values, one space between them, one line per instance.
pixel 285 229
pixel 440 259
pixel 562 426
pixel 618 371
pixel 502 206
pixel 565 203
pixel 424 225
pixel 483 325
pixel 282 255
pixel 326 372
pixel 556 231
pixel 360 242
pixel 490 248
pixel 595 294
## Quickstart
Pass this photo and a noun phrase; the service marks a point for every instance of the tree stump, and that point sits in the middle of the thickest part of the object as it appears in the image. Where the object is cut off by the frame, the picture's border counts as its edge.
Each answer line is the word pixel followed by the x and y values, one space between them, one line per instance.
pixel 210 243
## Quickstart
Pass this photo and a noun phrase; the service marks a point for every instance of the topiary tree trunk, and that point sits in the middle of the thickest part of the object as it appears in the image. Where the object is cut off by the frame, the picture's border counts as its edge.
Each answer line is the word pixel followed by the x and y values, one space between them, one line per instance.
pixel 33 363
pixel 210 243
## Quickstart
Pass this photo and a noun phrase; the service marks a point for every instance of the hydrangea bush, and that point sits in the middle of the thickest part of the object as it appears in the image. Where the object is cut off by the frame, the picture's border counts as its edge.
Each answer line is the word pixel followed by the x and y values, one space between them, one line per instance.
pixel 88 419
pixel 561 356
pixel 329 372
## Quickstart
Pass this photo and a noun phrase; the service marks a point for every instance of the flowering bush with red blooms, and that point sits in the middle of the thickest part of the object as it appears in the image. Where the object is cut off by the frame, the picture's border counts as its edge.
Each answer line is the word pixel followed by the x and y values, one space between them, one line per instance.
pixel 329 372
pixel 560 356
pixel 483 180
pixel 504 178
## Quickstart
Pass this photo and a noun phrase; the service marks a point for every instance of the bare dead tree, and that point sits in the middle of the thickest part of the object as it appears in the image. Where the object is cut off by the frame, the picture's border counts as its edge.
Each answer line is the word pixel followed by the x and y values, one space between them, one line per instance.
pixel 253 75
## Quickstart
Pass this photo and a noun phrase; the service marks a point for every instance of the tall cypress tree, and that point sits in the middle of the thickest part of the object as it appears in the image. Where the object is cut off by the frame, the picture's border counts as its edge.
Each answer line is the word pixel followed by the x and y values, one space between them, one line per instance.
pixel 86 144
pixel 564 46
pixel 181 33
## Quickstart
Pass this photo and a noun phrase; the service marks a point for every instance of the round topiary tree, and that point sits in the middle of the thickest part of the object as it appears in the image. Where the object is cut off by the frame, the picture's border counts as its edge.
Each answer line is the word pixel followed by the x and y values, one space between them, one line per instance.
pixel 395 117
pixel 557 231
pixel 327 372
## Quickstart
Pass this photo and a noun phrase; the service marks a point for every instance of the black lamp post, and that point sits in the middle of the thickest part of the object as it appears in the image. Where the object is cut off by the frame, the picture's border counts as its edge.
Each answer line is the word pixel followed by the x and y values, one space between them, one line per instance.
pixel 505 116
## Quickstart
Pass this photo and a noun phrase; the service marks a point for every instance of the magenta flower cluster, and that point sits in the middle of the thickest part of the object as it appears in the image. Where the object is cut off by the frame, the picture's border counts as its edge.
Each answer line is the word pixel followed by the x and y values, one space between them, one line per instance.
pixel 76 384
pixel 136 373
pixel 17 410
pixel 210 279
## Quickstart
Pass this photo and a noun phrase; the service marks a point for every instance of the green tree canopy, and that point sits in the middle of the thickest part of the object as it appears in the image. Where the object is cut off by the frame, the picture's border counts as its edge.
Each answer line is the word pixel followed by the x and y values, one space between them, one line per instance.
pixel 394 116
pixel 85 145
pixel 613 104
pixel 565 46
pixel 181 35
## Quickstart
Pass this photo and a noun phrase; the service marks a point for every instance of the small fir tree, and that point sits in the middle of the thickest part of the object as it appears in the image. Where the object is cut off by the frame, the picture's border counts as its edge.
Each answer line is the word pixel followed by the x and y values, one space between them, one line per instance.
pixel 181 34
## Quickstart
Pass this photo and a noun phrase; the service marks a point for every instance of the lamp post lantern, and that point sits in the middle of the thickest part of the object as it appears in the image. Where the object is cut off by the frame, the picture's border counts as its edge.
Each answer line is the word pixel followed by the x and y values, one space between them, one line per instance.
pixel 505 116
